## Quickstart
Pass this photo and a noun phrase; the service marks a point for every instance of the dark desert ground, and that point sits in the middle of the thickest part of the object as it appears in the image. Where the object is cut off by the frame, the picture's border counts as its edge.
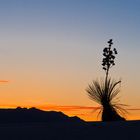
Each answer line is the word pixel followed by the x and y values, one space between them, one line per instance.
pixel 34 124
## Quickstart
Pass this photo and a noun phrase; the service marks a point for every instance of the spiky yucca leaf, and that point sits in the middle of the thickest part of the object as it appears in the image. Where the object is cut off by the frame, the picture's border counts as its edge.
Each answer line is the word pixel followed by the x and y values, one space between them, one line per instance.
pixel 103 92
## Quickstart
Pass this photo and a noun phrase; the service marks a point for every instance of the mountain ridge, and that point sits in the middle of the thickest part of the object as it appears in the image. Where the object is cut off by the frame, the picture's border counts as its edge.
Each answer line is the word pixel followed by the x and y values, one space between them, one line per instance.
pixel 23 115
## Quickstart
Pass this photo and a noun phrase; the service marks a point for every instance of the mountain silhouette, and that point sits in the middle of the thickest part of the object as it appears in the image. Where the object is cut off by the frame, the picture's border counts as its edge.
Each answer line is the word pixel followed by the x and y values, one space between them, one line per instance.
pixel 35 124
pixel 24 115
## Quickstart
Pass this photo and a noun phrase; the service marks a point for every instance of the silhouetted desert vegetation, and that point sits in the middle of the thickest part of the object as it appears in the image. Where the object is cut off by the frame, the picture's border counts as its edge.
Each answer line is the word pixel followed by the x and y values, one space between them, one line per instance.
pixel 105 91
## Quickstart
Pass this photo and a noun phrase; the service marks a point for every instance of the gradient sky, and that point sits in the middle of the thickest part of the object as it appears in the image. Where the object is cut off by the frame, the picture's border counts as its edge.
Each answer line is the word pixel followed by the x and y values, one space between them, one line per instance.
pixel 50 50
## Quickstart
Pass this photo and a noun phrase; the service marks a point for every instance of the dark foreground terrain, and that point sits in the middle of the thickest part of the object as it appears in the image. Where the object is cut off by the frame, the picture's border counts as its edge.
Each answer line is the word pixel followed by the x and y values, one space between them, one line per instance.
pixel 33 124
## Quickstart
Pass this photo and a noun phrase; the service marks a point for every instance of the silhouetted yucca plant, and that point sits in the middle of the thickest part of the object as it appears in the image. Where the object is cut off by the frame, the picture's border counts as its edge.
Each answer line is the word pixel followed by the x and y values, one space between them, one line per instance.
pixel 105 91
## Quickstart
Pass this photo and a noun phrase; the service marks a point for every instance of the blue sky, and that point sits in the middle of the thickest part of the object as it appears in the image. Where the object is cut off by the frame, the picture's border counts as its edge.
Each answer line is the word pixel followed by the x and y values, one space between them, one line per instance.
pixel 55 46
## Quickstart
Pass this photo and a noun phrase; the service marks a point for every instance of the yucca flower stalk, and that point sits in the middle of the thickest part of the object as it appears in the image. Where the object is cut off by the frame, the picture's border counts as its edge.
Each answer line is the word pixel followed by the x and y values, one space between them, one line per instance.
pixel 105 91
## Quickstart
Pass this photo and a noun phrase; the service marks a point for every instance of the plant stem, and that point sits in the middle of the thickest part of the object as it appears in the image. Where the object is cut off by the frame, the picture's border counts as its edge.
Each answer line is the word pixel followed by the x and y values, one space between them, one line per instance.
pixel 107 73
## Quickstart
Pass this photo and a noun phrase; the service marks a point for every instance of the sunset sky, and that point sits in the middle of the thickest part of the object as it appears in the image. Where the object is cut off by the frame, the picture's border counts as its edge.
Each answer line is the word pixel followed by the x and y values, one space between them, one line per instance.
pixel 50 50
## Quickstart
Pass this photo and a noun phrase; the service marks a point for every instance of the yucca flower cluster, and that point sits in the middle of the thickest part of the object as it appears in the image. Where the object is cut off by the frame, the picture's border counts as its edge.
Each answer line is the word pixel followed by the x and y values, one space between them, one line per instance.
pixel 109 56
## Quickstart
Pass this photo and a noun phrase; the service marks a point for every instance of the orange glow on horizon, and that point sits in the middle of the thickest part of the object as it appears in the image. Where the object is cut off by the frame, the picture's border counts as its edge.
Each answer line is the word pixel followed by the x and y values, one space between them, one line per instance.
pixel 4 81
pixel 86 113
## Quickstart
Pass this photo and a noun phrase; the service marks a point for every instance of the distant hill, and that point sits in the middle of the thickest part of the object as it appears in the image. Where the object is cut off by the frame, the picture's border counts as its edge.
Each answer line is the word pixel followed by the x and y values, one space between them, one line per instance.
pixel 24 115
pixel 35 124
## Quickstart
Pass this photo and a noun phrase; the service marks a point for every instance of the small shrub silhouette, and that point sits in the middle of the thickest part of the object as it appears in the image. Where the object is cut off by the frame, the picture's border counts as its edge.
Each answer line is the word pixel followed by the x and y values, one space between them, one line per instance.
pixel 105 91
